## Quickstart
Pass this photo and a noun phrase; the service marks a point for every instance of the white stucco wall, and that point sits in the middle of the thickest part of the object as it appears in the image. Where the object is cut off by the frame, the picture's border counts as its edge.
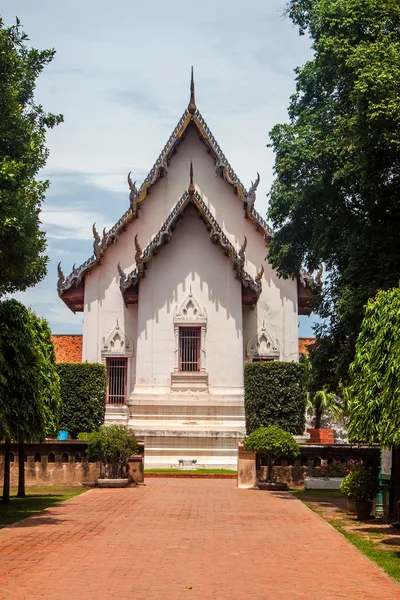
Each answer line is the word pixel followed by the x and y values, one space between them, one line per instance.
pixel 190 261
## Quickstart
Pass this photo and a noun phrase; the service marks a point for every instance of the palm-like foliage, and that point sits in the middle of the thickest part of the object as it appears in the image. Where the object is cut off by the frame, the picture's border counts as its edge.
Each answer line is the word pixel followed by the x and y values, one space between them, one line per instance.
pixel 324 401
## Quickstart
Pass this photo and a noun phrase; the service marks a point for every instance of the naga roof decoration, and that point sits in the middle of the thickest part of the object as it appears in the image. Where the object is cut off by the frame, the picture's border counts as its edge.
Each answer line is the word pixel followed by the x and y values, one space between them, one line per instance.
pixel 217 236
pixel 160 169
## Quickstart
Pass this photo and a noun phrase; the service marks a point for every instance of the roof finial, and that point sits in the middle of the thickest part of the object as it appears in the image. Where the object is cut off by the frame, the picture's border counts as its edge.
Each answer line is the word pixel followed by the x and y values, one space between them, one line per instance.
pixel 192 103
pixel 191 188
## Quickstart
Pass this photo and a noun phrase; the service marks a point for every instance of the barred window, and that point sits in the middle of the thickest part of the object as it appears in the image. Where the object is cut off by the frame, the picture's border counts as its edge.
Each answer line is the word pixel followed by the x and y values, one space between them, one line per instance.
pixel 189 348
pixel 116 380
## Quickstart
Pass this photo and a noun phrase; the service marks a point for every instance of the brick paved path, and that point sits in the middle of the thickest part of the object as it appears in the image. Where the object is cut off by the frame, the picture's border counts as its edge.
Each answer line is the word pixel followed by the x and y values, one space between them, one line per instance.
pixel 184 539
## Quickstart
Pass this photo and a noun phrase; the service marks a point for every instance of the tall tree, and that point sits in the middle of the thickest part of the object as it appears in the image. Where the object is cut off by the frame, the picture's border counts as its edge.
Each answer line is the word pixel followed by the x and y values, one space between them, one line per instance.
pixel 336 194
pixel 29 383
pixel 375 373
pixel 23 126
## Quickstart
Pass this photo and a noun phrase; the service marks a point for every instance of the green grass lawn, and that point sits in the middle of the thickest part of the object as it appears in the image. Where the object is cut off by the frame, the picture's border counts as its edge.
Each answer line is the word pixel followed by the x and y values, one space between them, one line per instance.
pixel 193 471
pixel 317 494
pixel 374 538
pixel 37 499
pixel 388 560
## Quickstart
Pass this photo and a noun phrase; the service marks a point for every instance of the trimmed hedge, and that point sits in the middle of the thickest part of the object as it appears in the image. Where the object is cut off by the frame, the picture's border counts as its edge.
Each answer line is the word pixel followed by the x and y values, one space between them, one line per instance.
pixel 275 394
pixel 83 396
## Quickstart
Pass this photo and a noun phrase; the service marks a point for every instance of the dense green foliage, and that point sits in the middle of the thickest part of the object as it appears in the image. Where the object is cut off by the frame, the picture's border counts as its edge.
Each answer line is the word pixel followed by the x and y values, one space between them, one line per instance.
pixel 275 394
pixel 360 484
pixel 111 444
pixel 336 194
pixel 273 442
pixel 29 384
pixel 23 125
pixel 375 373
pixel 83 394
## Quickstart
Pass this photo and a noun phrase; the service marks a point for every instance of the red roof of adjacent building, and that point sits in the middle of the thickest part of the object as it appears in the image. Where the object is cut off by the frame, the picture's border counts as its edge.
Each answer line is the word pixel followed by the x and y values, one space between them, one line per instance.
pixel 68 348
pixel 304 343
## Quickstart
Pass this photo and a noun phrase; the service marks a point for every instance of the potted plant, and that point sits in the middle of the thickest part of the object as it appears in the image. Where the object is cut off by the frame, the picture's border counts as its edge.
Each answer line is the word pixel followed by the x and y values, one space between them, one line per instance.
pixel 273 443
pixel 320 402
pixel 361 485
pixel 111 444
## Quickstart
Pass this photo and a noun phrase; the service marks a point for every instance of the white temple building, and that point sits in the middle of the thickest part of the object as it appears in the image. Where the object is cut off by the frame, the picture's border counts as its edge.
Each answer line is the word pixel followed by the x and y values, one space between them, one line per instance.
pixel 178 295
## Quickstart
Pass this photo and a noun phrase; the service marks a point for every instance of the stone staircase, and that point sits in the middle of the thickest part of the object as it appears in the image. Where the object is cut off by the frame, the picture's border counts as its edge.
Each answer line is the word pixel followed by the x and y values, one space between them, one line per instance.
pixel 204 427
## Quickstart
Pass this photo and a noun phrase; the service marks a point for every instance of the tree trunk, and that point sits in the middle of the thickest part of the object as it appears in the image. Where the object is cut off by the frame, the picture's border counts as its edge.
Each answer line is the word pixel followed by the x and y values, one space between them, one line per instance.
pixel 6 484
pixel 318 417
pixel 269 469
pixel 21 470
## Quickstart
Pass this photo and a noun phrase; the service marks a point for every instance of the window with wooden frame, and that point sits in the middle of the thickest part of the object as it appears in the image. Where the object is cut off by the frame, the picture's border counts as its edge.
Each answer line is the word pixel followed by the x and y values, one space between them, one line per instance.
pixel 117 371
pixel 189 349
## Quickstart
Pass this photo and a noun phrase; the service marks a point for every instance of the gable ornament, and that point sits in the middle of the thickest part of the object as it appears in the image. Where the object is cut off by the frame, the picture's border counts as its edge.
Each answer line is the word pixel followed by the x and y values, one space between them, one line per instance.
pixel 117 342
pixel 190 311
pixel 263 346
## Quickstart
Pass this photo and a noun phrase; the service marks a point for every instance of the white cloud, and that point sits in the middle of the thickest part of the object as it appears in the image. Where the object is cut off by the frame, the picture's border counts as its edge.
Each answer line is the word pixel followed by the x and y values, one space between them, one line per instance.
pixel 70 223
pixel 120 77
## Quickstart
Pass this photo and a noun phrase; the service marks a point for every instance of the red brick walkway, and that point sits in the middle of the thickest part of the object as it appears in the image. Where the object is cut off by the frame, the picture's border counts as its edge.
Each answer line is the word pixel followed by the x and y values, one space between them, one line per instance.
pixel 184 539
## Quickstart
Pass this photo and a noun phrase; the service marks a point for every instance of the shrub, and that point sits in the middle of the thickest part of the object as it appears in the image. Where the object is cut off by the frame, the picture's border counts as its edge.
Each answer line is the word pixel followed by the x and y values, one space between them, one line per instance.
pixel 360 484
pixel 273 442
pixel 275 394
pixel 83 395
pixel 334 469
pixel 111 444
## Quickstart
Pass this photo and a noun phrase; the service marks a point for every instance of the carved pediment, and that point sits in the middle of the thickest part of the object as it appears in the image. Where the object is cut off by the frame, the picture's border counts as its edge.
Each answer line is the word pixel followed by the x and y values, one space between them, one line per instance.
pixel 190 311
pixel 263 346
pixel 117 342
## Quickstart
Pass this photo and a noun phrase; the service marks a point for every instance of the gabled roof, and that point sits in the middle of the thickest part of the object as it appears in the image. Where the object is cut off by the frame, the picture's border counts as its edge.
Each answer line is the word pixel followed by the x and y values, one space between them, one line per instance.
pixel 217 236
pixel 160 169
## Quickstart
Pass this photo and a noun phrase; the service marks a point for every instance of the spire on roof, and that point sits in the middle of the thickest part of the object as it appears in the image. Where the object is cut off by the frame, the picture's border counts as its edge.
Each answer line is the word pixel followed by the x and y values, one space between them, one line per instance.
pixel 191 188
pixel 192 103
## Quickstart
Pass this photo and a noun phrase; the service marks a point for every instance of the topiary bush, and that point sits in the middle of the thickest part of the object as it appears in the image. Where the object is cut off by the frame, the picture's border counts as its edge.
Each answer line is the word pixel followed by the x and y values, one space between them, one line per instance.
pixel 111 444
pixel 273 442
pixel 83 396
pixel 360 484
pixel 275 394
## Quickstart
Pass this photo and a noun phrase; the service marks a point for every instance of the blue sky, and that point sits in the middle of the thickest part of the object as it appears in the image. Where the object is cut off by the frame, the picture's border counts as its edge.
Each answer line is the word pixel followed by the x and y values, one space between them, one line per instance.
pixel 120 77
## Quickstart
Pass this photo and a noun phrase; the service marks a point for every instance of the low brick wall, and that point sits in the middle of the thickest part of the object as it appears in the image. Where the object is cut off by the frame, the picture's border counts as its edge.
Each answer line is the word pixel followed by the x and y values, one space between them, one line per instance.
pixel 54 462
pixel 293 472
pixel 191 475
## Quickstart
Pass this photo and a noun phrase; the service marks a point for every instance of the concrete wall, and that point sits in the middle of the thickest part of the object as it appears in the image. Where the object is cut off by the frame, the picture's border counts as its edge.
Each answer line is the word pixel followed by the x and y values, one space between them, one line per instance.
pixel 70 466
pixel 293 472
pixel 59 472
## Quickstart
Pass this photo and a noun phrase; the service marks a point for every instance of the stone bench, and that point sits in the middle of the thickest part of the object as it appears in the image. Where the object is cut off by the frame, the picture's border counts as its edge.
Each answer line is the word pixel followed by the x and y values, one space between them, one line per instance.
pixel 187 464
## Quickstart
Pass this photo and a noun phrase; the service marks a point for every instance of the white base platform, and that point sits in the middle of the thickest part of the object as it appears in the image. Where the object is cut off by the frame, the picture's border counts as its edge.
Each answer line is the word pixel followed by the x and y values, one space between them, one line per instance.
pixel 204 427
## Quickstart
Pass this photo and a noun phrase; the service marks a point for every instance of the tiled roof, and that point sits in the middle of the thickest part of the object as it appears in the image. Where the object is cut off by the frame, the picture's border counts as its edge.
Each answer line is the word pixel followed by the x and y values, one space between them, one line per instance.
pixel 68 348
pixel 304 343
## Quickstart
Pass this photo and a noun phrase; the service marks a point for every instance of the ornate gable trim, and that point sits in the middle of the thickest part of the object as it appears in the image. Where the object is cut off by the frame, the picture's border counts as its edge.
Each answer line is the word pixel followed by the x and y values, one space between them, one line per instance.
pixel 160 169
pixel 263 346
pixel 117 343
pixel 217 236
pixel 190 312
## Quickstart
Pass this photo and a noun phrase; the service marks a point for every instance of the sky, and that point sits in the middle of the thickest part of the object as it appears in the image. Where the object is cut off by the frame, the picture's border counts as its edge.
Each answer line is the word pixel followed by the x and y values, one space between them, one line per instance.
pixel 121 77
